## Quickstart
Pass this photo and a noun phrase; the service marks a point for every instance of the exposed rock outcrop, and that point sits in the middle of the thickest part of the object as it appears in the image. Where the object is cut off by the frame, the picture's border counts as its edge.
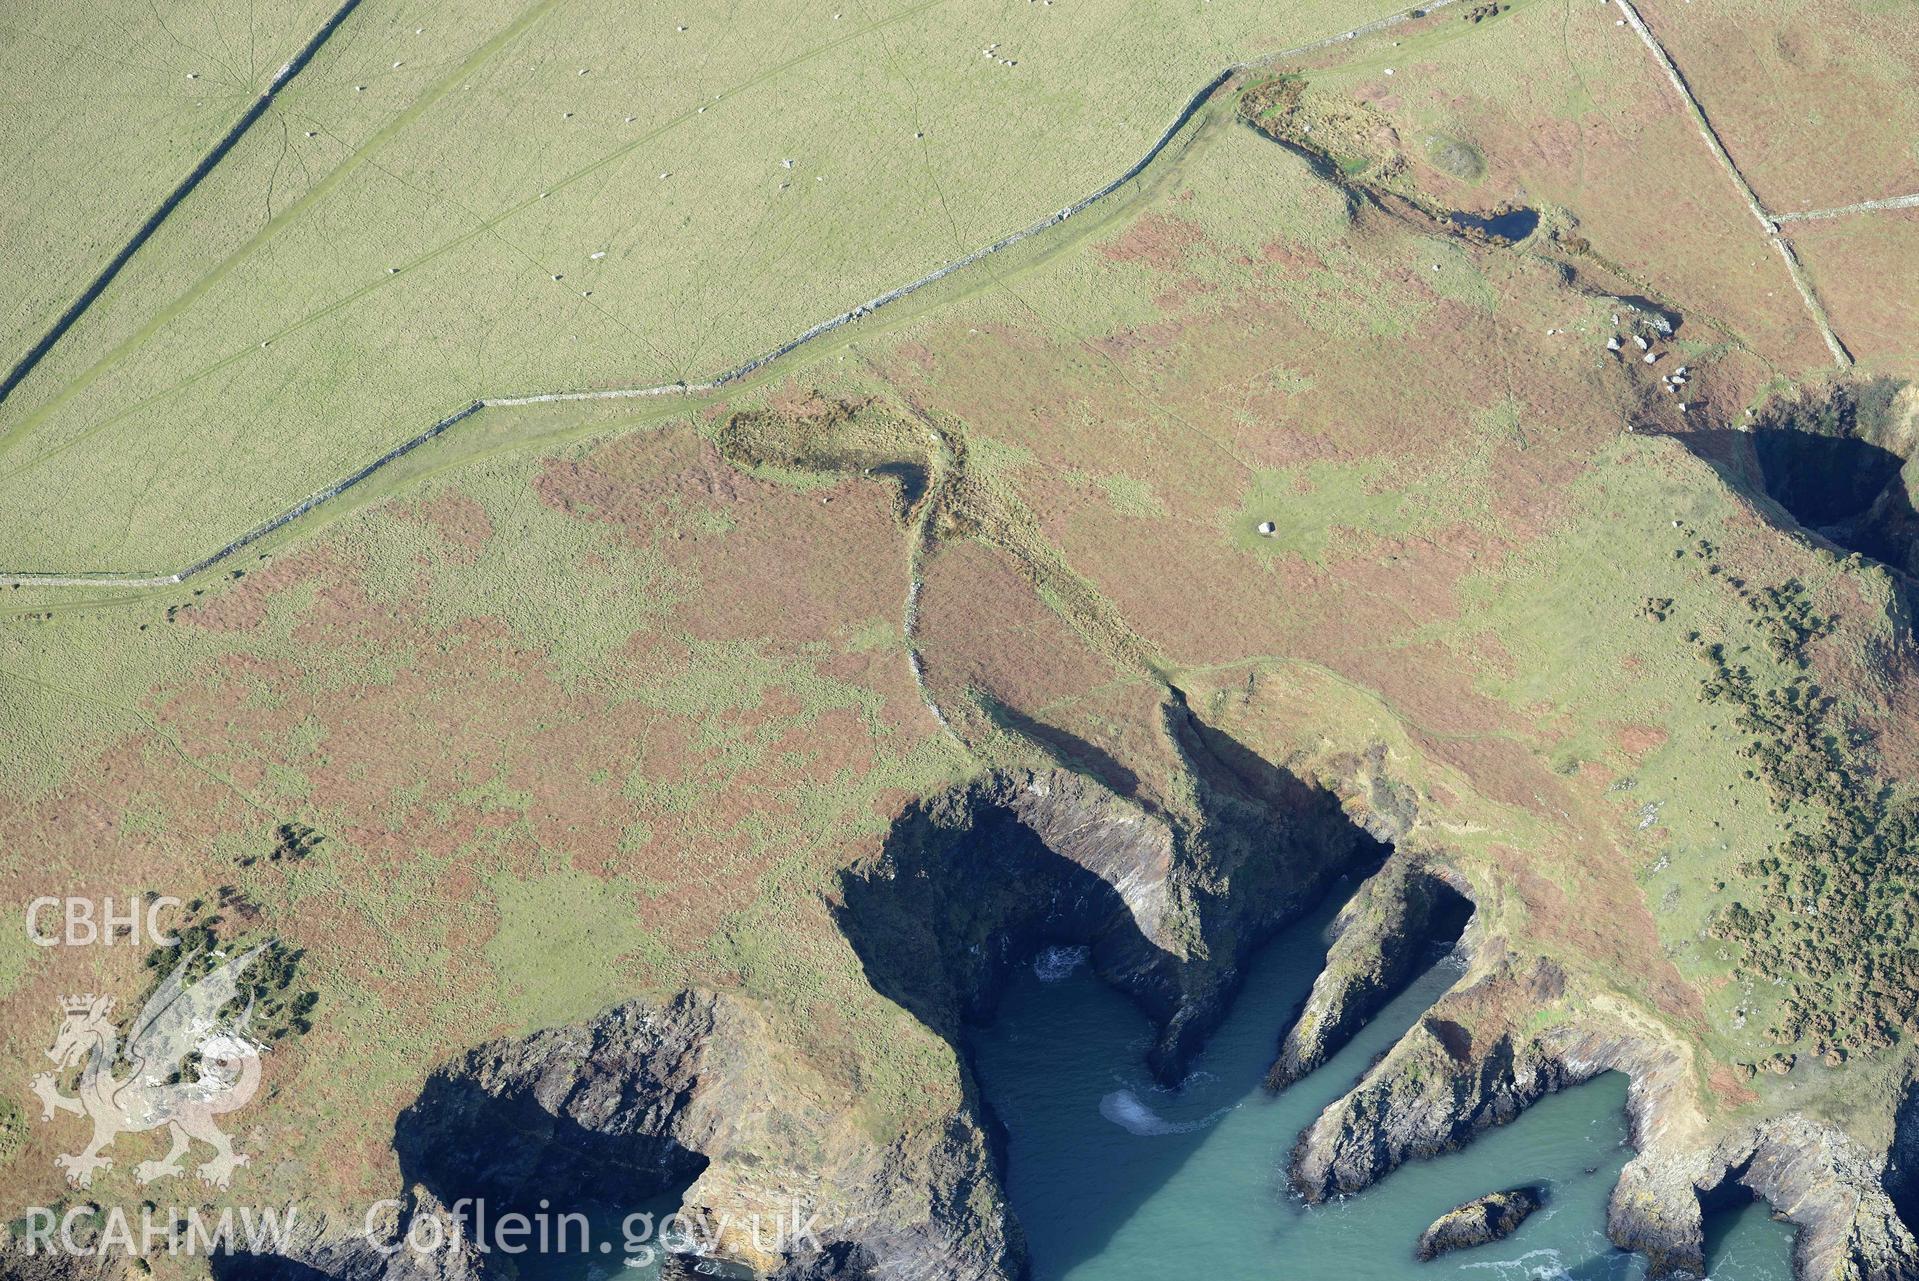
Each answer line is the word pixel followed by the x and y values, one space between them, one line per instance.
pixel 20 1261
pixel 1434 1090
pixel 1823 1180
pixel 699 1095
pixel 1169 907
pixel 1382 938
pixel 1832 1188
pixel 1901 1179
pixel 1463 1068
pixel 691 1098
pixel 604 1112
pixel 371 1247
pixel 1492 1217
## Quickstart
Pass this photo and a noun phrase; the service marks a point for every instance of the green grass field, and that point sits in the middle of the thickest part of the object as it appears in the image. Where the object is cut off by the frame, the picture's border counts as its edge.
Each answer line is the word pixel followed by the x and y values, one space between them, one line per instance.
pixel 556 197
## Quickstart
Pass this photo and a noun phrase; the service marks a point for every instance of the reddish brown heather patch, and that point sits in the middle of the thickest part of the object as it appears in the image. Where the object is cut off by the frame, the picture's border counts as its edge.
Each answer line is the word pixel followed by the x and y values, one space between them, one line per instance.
pixel 1196 601
pixel 983 625
pixel 240 605
pixel 1595 776
pixel 1501 770
pixel 460 521
pixel 1138 340
pixel 1183 294
pixel 1727 1087
pixel 1158 240
pixel 1601 917
pixel 1854 262
pixel 1638 740
pixel 1292 258
pixel 1378 95
pixel 638 480
pixel 797 567
pixel 1762 70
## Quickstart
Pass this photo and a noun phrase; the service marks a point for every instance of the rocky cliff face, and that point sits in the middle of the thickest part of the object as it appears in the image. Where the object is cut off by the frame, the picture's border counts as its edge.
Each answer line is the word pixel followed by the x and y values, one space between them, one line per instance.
pixel 690 1099
pixel 1434 1090
pixel 1169 907
pixel 606 1111
pixel 1382 939
pixel 1833 1189
pixel 696 1098
pixel 1463 1068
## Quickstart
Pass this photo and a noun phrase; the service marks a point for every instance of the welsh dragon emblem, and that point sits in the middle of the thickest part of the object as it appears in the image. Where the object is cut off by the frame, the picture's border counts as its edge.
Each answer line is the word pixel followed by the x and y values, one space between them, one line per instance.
pixel 180 1022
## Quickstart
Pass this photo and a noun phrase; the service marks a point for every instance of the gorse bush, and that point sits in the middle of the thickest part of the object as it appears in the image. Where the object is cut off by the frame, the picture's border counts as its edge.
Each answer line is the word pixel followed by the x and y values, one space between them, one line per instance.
pixel 1834 911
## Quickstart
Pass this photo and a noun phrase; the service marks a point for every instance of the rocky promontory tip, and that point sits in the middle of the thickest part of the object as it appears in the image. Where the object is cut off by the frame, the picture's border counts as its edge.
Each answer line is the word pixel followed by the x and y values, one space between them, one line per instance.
pixel 1492 1217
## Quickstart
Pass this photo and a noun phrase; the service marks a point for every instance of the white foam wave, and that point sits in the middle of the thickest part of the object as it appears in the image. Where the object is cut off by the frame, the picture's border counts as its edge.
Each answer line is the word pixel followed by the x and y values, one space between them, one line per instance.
pixel 1534 1265
pixel 1056 963
pixel 1124 1109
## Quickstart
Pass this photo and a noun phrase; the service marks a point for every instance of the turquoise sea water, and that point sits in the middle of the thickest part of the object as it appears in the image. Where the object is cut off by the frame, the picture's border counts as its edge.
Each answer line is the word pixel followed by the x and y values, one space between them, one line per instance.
pixel 1115 1179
